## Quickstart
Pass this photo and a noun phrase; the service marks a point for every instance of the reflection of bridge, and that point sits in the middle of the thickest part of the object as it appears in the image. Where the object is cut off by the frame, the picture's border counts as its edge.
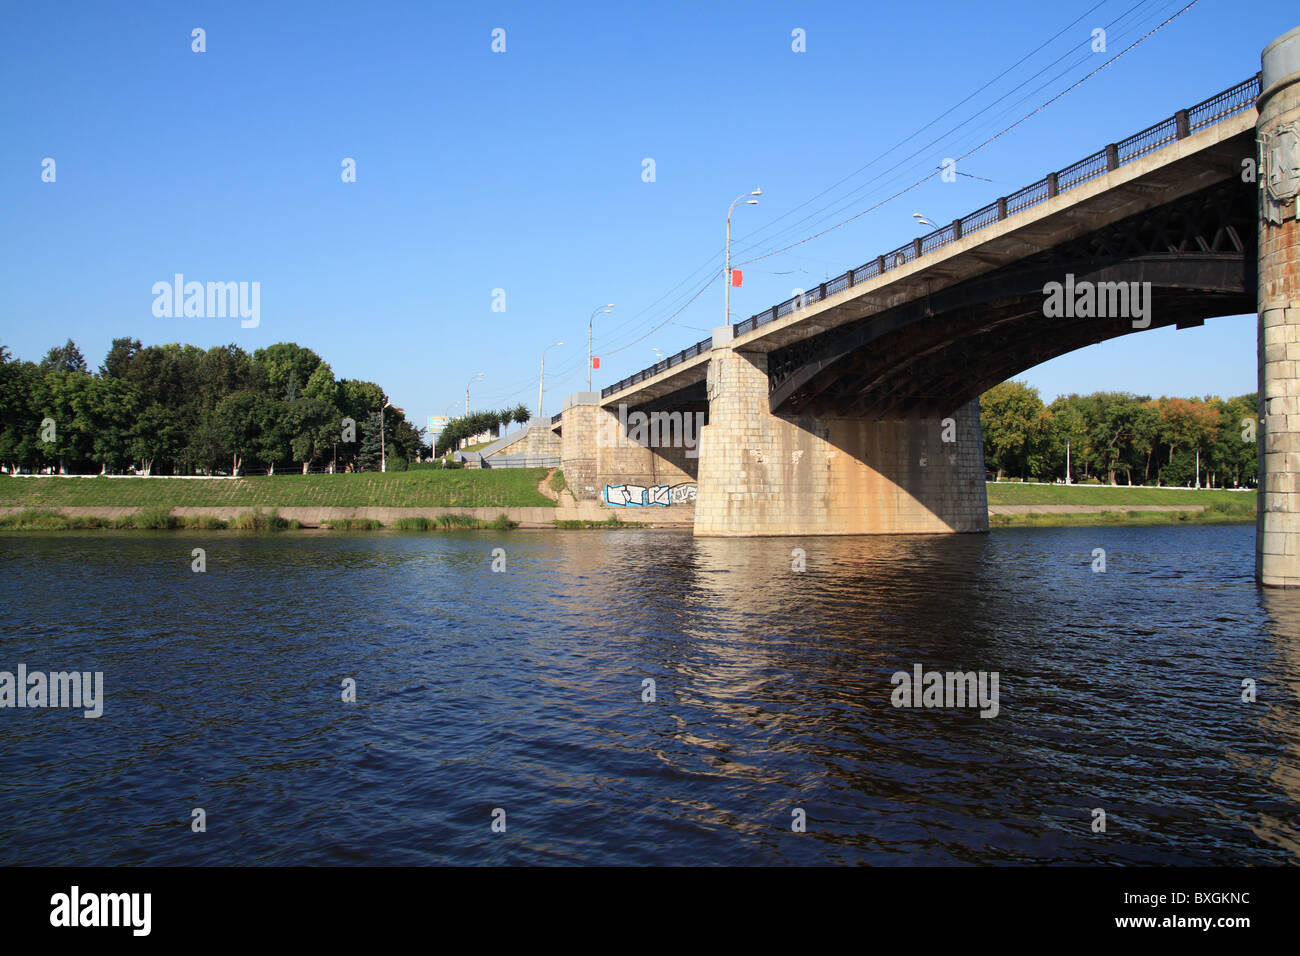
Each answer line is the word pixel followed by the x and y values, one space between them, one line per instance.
pixel 853 409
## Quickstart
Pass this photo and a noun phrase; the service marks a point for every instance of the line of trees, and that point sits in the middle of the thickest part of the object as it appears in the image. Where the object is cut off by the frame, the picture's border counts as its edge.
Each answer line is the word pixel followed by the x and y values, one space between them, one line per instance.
pixel 181 410
pixel 477 423
pixel 1120 438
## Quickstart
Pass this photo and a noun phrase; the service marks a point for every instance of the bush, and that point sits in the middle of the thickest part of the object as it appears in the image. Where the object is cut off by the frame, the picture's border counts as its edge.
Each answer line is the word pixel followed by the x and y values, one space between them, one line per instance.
pixel 356 524
pixel 458 521
pixel 417 523
pixel 398 464
pixel 34 519
pixel 611 522
pixel 257 520
pixel 153 519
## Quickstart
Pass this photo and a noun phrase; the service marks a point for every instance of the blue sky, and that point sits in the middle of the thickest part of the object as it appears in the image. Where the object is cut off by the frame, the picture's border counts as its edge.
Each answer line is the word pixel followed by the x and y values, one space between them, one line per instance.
pixel 523 170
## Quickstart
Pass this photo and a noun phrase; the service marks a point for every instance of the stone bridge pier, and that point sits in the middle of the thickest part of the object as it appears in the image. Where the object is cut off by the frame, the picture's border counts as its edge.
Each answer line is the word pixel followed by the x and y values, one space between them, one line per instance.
pixel 1277 538
pixel 763 473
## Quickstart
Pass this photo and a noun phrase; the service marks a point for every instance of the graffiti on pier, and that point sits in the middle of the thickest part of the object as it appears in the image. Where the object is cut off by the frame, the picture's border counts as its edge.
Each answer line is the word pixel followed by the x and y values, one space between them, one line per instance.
pixel 641 496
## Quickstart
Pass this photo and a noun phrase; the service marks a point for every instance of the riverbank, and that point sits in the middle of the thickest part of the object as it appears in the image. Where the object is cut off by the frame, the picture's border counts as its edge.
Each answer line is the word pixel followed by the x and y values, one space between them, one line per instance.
pixel 1044 516
pixel 1018 505
pixel 524 498
pixel 1020 493
pixel 580 516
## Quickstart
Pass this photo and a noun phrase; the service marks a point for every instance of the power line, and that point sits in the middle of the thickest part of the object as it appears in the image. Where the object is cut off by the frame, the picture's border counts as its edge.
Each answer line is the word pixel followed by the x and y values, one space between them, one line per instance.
pixel 985 143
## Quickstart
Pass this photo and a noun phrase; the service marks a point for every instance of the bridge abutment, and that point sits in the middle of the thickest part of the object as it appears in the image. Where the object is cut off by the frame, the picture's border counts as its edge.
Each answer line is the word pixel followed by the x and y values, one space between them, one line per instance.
pixel 766 474
pixel 1277 538
pixel 638 459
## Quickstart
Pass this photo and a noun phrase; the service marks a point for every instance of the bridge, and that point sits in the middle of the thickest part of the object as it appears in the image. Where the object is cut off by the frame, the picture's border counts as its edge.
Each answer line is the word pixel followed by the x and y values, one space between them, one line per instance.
pixel 853 409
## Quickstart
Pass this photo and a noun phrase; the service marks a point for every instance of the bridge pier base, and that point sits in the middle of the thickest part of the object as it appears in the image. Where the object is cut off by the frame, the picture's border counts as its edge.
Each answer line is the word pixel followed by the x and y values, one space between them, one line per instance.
pixel 767 474
pixel 1277 531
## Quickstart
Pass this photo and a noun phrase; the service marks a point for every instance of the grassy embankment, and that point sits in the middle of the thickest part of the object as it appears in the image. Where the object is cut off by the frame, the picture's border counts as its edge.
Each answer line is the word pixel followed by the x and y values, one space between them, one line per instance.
pixel 432 488
pixel 1216 506
pixel 262 495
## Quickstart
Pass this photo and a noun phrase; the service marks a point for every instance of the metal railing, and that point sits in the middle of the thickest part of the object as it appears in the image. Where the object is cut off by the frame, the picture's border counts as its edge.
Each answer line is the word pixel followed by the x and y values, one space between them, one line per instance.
pixel 1179 126
pixel 699 348
pixel 521 461
pixel 555 419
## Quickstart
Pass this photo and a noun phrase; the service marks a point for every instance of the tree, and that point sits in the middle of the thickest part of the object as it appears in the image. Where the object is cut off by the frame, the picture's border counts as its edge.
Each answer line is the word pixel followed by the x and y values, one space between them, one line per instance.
pixel 1066 433
pixel 310 423
pixel 368 456
pixel 1012 415
pixel 237 425
pixel 1111 431
pixel 274 438
pixel 111 407
pixel 63 400
pixel 1186 424
pixel 18 419
pixel 67 358
pixel 287 363
pixel 120 355
pixel 321 385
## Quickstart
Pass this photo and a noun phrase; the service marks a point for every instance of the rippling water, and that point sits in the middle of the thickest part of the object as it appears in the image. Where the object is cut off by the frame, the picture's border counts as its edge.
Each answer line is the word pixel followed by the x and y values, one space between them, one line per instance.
pixel 522 690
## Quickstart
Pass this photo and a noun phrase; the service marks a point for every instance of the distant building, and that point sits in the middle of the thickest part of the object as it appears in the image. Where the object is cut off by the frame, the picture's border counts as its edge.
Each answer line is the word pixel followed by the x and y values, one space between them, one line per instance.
pixel 491 434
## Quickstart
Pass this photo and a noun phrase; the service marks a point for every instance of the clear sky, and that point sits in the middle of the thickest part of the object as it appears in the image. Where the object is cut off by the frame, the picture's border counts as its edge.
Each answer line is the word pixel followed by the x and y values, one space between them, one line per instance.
pixel 524 170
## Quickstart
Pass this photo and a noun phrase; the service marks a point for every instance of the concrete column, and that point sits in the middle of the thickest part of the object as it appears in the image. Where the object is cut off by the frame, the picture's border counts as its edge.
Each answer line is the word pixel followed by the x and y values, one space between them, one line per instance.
pixel 1277 532
pixel 765 474
pixel 578 431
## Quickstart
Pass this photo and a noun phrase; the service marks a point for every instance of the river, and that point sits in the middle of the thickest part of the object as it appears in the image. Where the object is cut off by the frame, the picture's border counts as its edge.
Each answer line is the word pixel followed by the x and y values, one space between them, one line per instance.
pixel 520 696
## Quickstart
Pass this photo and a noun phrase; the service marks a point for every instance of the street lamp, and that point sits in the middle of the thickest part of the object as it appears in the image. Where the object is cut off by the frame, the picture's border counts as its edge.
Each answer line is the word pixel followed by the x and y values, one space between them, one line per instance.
pixel 383 460
pixel 476 378
pixel 921 220
pixel 607 307
pixel 541 381
pixel 726 276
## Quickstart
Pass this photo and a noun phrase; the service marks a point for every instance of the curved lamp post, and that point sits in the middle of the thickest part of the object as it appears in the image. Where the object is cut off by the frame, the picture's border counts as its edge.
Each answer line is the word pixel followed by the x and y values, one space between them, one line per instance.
pixel 607 307
pixel 726 277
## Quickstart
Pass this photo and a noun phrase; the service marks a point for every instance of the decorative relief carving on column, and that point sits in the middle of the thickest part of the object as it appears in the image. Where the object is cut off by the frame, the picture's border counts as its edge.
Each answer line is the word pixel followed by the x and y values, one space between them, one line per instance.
pixel 1279 151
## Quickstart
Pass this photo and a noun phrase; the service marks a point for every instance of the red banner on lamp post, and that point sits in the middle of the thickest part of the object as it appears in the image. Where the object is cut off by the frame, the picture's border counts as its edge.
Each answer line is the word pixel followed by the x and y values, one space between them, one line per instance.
pixel 736 277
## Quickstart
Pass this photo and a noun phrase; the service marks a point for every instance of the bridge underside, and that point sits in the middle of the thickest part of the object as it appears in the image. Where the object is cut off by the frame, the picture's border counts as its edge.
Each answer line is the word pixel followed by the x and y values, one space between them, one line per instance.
pixel 932 355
